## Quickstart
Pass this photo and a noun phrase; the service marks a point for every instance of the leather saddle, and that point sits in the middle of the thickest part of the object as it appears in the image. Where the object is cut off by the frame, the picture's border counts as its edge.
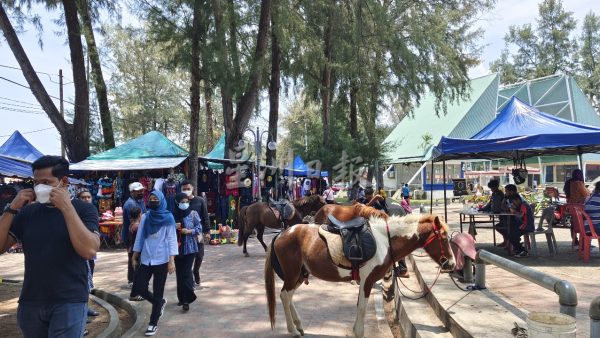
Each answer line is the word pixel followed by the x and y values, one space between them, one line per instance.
pixel 358 243
pixel 282 210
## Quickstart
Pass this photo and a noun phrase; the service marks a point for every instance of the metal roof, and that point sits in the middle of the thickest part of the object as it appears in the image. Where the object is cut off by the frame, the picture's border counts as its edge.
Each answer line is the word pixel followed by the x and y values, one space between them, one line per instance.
pixel 467 116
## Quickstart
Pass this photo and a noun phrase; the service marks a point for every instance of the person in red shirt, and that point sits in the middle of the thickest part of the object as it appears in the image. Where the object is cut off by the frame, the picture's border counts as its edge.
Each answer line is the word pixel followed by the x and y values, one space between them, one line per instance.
pixel 524 223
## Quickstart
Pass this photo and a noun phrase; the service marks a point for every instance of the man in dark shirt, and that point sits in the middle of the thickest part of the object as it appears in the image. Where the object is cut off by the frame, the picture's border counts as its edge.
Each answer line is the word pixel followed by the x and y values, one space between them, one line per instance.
pixel 136 199
pixel 199 205
pixel 58 236
pixel 378 204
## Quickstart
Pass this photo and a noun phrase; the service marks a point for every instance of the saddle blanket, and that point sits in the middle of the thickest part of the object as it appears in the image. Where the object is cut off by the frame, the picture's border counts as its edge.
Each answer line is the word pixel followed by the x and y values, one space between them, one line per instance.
pixel 335 247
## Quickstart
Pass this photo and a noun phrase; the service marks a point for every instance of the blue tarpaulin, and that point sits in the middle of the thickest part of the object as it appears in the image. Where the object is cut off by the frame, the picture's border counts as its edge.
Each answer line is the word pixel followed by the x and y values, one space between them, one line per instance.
pixel 18 148
pixel 12 168
pixel 299 168
pixel 521 131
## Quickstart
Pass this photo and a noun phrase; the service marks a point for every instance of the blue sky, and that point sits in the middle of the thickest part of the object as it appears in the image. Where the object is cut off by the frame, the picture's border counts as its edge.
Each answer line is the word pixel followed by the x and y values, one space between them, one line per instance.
pixel 55 56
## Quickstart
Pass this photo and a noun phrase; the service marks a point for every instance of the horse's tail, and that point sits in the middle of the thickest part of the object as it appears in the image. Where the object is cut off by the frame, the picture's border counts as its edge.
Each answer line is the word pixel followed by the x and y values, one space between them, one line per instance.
pixel 270 283
pixel 241 222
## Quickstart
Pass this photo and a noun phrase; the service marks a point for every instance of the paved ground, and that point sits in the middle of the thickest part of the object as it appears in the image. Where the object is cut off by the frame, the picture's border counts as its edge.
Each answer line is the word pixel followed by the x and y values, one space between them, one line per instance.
pixel 232 301
pixel 565 265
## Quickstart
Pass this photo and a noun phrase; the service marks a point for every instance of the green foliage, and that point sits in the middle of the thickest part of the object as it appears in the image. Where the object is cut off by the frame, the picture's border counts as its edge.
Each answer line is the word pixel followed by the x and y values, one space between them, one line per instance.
pixel 546 49
pixel 145 94
pixel 589 54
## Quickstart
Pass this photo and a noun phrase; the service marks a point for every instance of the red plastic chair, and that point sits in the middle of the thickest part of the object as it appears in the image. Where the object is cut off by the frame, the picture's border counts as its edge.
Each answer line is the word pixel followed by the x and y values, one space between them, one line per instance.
pixel 585 237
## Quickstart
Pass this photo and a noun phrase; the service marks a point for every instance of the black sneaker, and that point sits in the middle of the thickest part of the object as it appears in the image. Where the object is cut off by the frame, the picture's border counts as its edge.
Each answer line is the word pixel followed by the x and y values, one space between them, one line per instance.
pixel 162 308
pixel 151 330
pixel 522 254
pixel 186 307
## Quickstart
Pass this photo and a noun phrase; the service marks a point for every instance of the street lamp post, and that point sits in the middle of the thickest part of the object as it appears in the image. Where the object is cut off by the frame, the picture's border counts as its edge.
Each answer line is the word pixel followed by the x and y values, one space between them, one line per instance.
pixel 257 149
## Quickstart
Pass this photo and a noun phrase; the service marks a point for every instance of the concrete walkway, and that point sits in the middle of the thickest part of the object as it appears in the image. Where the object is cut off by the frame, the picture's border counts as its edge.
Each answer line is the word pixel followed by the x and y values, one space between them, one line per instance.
pixel 232 301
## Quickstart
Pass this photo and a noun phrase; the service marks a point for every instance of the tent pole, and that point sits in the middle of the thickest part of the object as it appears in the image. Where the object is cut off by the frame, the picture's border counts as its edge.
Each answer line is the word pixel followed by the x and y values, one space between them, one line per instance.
pixel 431 189
pixel 445 200
pixel 579 158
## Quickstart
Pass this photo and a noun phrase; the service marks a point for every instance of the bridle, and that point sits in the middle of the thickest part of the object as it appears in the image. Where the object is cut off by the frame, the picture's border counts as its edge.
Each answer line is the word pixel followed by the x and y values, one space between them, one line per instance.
pixel 437 234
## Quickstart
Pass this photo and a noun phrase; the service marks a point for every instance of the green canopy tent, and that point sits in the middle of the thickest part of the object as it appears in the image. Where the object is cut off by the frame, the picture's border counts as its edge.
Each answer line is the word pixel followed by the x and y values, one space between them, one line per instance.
pixel 150 151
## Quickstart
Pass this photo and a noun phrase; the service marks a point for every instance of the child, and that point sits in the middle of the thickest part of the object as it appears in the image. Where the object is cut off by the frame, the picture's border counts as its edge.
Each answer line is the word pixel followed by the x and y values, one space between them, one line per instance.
pixel 525 223
pixel 135 216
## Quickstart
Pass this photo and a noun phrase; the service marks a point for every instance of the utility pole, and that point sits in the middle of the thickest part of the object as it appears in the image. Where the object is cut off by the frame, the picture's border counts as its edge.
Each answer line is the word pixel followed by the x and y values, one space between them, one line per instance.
pixel 62 111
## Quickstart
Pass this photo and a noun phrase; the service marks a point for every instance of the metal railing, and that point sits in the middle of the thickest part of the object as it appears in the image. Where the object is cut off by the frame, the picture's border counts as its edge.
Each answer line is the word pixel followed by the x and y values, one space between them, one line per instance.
pixel 595 317
pixel 567 295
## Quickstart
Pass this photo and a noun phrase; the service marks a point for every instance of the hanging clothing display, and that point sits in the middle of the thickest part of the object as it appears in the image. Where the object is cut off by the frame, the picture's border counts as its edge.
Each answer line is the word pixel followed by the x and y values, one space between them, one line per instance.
pixel 170 190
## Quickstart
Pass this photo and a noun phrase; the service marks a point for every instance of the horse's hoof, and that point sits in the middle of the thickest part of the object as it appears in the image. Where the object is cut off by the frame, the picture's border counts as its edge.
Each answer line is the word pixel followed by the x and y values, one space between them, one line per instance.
pixel 246 254
pixel 297 336
pixel 301 332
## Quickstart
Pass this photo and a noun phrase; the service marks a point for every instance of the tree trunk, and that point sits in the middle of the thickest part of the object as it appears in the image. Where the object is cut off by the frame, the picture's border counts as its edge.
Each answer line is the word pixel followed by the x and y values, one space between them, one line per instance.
pixel 195 95
pixel 210 143
pixel 326 76
pixel 79 142
pixel 97 77
pixel 274 87
pixel 353 109
pixel 248 100
pixel 224 79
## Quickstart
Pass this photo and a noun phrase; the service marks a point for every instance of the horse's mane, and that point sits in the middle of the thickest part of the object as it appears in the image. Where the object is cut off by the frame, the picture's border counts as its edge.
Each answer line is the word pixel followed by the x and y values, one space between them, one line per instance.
pixel 405 226
pixel 368 212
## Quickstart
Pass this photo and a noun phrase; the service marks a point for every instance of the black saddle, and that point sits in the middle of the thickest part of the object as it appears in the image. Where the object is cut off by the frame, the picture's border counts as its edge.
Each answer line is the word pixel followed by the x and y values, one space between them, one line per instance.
pixel 358 242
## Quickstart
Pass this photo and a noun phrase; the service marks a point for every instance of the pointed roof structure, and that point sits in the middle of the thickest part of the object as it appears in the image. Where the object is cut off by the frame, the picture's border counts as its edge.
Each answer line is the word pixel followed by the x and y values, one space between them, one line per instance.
pixel 406 143
pixel 18 148
pixel 150 151
pixel 521 131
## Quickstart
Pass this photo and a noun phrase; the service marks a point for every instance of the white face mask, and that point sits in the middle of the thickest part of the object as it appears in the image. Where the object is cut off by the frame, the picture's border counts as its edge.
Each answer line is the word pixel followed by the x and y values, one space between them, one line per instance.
pixel 184 206
pixel 187 192
pixel 42 193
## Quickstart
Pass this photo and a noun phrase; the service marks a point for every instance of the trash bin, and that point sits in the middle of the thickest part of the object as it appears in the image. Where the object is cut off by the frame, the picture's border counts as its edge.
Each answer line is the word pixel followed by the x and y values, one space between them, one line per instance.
pixel 550 325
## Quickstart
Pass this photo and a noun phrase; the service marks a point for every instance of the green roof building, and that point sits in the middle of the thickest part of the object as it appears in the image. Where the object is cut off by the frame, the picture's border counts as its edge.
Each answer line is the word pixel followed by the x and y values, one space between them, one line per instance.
pixel 413 139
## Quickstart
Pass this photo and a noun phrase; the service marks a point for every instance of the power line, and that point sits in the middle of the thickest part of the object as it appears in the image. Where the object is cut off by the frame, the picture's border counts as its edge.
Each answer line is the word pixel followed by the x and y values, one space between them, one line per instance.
pixel 20 110
pixel 22 102
pixel 17 105
pixel 18 68
pixel 24 86
pixel 29 132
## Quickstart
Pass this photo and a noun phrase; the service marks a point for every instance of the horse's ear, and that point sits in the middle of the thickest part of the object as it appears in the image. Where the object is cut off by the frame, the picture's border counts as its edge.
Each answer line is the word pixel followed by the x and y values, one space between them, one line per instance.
pixel 437 222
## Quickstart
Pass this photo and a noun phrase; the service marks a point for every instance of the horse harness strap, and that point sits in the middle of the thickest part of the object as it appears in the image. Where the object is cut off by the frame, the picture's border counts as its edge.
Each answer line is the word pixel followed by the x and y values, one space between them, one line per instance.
pixel 436 235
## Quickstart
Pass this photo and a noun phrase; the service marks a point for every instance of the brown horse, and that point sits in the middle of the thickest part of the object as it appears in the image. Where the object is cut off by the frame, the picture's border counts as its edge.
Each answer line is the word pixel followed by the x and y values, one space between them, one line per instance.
pixel 260 215
pixel 309 204
pixel 300 248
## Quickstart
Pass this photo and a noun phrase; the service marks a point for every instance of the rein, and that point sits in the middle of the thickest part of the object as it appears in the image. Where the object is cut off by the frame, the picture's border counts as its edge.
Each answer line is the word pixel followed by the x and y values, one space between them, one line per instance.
pixel 443 259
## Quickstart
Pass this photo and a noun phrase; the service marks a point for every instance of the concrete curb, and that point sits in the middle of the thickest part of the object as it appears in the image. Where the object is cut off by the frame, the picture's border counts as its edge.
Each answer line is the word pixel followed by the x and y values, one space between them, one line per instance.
pixel 385 330
pixel 114 325
pixel 455 329
pixel 135 311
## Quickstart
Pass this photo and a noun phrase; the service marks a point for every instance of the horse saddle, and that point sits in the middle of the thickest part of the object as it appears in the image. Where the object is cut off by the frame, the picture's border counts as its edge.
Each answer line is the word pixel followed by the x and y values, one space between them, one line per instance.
pixel 350 243
pixel 283 210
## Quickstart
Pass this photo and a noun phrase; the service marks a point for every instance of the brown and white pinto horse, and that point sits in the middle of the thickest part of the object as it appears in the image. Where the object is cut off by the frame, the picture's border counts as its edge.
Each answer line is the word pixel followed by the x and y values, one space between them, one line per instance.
pixel 300 248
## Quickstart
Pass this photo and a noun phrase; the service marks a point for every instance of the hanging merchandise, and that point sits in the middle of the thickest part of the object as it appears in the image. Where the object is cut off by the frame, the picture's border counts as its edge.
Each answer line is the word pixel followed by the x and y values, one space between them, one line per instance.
pixel 203 181
pixel 170 189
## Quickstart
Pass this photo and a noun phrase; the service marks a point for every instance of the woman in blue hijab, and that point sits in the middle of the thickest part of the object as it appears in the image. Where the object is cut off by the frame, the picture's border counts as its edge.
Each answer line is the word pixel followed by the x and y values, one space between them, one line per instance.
pixel 156 241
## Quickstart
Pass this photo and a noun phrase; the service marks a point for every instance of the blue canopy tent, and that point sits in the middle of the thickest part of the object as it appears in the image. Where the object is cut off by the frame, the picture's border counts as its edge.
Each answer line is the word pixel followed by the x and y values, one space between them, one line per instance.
pixel 16 156
pixel 520 131
pixel 299 168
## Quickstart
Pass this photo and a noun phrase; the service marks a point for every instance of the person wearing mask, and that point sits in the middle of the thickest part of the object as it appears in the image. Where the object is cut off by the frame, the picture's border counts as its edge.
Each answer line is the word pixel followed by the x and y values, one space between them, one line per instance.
pixel 54 295
pixel 188 227
pixel 198 204
pixel 576 193
pixel 592 207
pixel 136 199
pixel 155 247
pixel 524 224
pixel 329 195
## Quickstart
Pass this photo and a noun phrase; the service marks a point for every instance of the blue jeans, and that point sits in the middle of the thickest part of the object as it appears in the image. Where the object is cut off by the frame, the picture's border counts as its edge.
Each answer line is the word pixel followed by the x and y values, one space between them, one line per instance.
pixel 56 320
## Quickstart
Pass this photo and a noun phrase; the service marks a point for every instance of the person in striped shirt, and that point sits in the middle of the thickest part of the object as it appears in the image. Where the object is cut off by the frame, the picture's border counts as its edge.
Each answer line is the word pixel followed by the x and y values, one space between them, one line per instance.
pixel 592 207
